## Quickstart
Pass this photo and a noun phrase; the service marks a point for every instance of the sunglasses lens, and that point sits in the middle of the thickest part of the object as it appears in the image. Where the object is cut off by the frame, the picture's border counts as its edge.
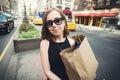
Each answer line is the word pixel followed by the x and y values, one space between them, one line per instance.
pixel 49 23
pixel 58 21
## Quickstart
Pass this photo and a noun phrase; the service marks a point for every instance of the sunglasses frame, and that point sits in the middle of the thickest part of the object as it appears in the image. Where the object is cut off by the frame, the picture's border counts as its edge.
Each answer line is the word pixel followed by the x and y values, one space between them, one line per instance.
pixel 50 22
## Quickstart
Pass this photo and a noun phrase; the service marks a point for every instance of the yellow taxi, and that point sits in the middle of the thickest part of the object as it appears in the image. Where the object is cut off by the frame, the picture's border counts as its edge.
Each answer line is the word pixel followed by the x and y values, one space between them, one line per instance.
pixel 31 18
pixel 37 20
pixel 71 24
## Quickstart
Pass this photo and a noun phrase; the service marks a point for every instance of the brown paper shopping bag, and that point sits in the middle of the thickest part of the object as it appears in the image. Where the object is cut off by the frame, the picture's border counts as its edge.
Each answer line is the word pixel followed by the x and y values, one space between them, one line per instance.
pixel 80 63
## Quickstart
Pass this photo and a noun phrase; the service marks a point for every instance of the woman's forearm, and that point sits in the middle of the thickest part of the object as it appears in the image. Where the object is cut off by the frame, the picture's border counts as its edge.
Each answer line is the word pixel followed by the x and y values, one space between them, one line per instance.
pixel 52 76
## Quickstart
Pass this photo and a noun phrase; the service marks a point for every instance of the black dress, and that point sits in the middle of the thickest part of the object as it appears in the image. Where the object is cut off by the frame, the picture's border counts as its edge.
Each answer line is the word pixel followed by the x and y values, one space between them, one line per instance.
pixel 56 63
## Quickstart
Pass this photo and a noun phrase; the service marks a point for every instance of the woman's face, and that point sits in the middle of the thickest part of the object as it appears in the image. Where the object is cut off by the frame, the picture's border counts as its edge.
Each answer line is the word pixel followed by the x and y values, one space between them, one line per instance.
pixel 55 23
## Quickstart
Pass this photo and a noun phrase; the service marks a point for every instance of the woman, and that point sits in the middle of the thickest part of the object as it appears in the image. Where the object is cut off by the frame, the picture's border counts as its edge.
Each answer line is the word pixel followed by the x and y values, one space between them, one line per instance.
pixel 54 39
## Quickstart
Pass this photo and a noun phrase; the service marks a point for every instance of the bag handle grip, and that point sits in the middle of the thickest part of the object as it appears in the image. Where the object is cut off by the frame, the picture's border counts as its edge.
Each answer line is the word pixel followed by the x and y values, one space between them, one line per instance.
pixel 78 40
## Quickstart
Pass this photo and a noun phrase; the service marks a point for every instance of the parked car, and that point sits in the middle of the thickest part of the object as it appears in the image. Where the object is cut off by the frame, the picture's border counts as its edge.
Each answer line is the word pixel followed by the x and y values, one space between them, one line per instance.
pixel 37 20
pixel 6 23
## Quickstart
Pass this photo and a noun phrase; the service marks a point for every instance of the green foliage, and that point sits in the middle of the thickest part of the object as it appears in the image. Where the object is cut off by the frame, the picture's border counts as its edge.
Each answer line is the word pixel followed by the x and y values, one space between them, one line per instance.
pixel 27 30
pixel 31 14
pixel 26 27
pixel 29 34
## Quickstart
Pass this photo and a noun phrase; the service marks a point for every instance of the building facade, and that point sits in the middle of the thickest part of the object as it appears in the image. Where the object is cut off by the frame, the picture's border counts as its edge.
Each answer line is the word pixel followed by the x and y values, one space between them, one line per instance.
pixel 61 4
pixel 14 6
pixel 106 4
pixel 96 4
pixel 9 6
pixel 5 5
pixel 81 5
pixel 41 5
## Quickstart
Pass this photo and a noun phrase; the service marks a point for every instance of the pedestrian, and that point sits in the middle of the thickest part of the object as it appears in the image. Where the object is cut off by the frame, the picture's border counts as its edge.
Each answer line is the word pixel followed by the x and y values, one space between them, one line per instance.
pixel 54 39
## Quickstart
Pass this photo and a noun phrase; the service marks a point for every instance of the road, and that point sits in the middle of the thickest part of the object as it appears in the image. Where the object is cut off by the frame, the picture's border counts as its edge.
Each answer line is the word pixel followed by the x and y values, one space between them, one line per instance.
pixel 106 48
pixel 4 38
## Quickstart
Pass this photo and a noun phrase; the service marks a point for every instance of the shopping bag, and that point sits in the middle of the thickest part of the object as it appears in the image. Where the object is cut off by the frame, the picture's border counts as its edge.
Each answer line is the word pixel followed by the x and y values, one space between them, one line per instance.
pixel 79 60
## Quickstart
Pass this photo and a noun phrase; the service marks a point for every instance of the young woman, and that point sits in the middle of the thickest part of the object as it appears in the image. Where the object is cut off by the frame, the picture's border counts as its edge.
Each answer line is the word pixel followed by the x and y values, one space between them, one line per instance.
pixel 54 39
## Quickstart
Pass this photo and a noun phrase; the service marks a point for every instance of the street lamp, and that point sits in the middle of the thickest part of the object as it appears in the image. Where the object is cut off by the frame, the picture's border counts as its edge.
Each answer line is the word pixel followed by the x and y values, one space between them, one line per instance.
pixel 25 14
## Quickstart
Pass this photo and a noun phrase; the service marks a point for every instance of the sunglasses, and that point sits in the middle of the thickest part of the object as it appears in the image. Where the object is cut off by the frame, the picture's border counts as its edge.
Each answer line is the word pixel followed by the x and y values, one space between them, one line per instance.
pixel 57 21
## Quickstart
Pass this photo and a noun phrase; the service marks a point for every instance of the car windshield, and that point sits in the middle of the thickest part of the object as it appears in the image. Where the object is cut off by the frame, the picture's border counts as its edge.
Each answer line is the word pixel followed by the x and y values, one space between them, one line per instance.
pixel 2 17
pixel 69 20
pixel 38 18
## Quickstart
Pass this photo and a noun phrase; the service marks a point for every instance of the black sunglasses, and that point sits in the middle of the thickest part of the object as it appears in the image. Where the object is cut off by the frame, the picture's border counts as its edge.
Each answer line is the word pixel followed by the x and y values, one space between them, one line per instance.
pixel 57 21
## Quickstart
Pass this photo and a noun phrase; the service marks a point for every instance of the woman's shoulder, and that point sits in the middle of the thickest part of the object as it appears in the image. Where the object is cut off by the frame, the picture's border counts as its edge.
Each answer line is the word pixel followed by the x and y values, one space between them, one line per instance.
pixel 71 41
pixel 44 42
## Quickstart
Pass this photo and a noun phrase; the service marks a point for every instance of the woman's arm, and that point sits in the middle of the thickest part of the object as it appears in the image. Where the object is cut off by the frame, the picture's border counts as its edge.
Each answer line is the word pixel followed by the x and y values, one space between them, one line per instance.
pixel 44 45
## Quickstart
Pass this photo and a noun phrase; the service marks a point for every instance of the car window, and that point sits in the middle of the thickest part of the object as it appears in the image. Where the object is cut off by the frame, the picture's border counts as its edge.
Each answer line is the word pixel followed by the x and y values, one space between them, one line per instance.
pixel 8 16
pixel 2 17
pixel 38 18
pixel 69 20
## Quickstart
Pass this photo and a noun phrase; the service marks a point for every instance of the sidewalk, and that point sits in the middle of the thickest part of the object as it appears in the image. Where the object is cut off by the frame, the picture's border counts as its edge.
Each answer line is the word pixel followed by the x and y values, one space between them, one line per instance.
pixel 25 66
pixel 94 28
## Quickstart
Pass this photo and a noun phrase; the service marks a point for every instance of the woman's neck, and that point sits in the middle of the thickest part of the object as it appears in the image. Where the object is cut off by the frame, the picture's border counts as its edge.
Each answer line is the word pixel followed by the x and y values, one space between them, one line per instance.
pixel 59 39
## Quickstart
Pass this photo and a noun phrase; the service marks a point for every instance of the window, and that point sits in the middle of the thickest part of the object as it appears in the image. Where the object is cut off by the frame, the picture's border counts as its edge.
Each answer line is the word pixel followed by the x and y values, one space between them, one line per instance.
pixel 59 1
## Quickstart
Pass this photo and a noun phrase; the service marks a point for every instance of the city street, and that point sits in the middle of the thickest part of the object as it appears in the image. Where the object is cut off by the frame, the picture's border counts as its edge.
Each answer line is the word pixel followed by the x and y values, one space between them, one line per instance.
pixel 98 20
pixel 26 65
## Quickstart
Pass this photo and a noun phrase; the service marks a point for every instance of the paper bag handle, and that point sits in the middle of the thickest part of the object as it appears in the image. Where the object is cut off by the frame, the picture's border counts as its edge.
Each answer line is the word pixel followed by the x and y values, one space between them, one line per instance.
pixel 78 40
pixel 77 45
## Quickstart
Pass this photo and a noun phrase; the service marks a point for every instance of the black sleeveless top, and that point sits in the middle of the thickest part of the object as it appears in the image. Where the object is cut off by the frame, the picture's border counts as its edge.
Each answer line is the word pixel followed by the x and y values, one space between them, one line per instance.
pixel 56 63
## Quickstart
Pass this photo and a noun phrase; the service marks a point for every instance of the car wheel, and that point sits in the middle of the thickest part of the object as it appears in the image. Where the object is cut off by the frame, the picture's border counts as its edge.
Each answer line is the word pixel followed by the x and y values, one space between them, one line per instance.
pixel 13 24
pixel 8 30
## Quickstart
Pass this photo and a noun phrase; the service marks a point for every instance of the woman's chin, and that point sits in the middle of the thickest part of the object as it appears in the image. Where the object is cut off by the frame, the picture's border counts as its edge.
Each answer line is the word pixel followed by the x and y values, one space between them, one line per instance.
pixel 56 34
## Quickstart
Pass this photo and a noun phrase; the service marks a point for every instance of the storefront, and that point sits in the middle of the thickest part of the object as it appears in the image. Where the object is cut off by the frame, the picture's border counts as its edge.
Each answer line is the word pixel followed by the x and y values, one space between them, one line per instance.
pixel 92 18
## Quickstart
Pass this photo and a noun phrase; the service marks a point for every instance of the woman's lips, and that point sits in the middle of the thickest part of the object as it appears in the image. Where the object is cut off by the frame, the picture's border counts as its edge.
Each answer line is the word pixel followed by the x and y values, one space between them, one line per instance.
pixel 55 30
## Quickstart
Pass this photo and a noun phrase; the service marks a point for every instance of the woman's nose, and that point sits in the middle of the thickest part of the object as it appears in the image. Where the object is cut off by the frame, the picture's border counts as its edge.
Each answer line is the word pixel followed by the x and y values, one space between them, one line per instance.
pixel 54 25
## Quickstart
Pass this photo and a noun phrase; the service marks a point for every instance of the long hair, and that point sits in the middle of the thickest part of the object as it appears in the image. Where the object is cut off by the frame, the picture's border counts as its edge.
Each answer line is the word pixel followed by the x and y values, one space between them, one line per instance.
pixel 45 32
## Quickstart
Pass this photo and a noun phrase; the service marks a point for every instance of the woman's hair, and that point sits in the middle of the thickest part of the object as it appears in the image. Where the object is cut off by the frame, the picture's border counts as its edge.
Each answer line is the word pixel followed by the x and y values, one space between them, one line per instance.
pixel 45 32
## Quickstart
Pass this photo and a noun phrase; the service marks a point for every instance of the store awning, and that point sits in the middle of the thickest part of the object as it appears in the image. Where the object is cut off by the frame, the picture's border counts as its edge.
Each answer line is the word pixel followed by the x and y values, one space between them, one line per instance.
pixel 97 14
pixel 67 11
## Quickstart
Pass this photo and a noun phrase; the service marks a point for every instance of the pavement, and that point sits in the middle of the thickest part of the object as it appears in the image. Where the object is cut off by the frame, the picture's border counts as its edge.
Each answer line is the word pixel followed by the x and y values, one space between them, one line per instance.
pixel 95 28
pixel 27 65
